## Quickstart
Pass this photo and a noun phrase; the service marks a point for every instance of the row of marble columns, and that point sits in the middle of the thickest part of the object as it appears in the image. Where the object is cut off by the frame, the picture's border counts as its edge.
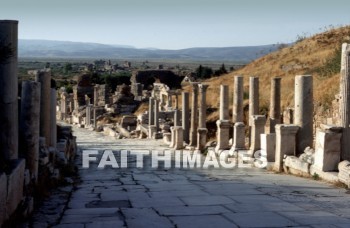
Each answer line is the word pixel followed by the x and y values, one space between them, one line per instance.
pixel 302 130
pixel 37 108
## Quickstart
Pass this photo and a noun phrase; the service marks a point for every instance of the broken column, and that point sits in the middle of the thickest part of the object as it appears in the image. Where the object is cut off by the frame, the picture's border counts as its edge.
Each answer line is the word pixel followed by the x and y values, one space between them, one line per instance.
pixel 327 148
pixel 185 116
pixel 151 111
pixel 253 98
pixel 237 115
pixel 202 127
pixel 344 102
pixel 194 115
pixel 29 125
pixel 285 143
pixel 44 77
pixel 257 128
pixel 303 112
pixel 53 120
pixel 223 124
pixel 275 105
pixel 8 90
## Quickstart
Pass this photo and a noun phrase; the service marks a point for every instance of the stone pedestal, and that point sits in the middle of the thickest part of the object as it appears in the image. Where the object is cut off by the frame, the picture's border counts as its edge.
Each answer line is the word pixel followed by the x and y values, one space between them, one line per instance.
pixel 238 136
pixel 53 120
pixel 257 128
pixel 253 98
pixel 151 111
pixel 9 90
pixel 186 116
pixel 237 110
pixel 285 143
pixel 328 148
pixel 268 146
pixel 194 115
pixel 344 102
pixel 29 125
pixel 44 77
pixel 202 138
pixel 223 134
pixel 179 142
pixel 303 116
pixel 152 131
pixel 275 105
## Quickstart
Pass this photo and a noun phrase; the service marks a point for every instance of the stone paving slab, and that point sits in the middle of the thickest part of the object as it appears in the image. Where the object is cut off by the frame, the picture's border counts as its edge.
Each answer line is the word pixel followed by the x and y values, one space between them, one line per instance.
pixel 241 197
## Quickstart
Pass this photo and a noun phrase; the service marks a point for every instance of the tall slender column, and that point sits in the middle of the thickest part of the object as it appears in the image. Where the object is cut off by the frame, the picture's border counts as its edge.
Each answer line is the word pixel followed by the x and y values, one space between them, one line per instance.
pixel 185 116
pixel 344 107
pixel 275 105
pixel 303 108
pixel 44 77
pixel 151 111
pixel 253 97
pixel 8 90
pixel 237 111
pixel 30 125
pixel 194 115
pixel 223 124
pixel 53 121
pixel 156 114
pixel 202 129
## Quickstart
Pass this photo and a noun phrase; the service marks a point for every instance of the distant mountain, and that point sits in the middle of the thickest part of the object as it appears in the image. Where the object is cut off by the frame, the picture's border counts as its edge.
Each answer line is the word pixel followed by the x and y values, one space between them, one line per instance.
pixel 67 49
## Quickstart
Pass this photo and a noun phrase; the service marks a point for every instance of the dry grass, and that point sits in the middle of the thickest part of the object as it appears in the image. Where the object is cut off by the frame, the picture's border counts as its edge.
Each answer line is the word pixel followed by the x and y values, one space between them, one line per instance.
pixel 302 58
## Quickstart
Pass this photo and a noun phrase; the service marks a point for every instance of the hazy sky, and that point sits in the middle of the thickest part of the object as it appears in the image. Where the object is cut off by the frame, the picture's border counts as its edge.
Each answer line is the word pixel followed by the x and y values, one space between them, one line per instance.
pixel 174 24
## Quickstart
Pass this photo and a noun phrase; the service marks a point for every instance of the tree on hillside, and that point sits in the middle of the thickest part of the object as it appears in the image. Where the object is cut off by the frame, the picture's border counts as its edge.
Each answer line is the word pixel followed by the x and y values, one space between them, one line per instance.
pixel 204 72
pixel 222 70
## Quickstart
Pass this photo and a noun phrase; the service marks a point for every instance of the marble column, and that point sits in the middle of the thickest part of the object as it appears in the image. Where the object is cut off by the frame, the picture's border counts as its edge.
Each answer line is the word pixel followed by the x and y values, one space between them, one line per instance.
pixel 95 96
pixel 30 125
pixel 194 115
pixel 303 111
pixel 253 97
pixel 88 116
pixel 202 127
pixel 285 143
pixel 53 120
pixel 9 90
pixel 257 128
pixel 275 105
pixel 185 116
pixel 344 103
pixel 223 124
pixel 156 114
pixel 237 110
pixel 151 111
pixel 44 77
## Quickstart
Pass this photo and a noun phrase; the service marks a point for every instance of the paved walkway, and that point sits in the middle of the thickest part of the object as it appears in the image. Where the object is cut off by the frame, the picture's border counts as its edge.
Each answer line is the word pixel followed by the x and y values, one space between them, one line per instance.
pixel 197 198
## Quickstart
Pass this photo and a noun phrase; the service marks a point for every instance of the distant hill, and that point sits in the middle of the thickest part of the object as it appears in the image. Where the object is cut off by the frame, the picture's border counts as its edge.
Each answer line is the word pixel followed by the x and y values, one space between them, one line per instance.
pixel 66 49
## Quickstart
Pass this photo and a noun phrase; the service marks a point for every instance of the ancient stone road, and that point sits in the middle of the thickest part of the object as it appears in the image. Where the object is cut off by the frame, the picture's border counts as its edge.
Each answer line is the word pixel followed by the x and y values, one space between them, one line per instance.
pixel 197 198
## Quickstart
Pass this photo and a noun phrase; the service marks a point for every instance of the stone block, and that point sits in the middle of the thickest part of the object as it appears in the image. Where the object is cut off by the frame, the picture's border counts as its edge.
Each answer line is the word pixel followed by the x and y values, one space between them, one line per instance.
pixel 328 148
pixel 15 183
pixel 3 194
pixel 268 146
pixel 344 172
pixel 294 163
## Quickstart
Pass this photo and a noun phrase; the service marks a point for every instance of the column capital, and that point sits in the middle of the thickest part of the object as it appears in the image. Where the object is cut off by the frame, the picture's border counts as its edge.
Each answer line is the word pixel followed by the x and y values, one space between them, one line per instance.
pixel 203 87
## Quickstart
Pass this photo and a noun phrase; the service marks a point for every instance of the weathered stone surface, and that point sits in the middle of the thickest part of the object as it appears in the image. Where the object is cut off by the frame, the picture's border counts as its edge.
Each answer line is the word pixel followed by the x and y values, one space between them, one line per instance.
pixel 257 128
pixel 327 149
pixel 202 138
pixel 179 142
pixel 268 146
pixel 275 105
pixel 29 125
pixel 237 111
pixel 185 116
pixel 15 184
pixel 44 77
pixel 9 91
pixel 285 143
pixel 344 172
pixel 299 167
pixel 253 98
pixel 3 194
pixel 238 136
pixel 303 116
pixel 194 115
pixel 223 134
